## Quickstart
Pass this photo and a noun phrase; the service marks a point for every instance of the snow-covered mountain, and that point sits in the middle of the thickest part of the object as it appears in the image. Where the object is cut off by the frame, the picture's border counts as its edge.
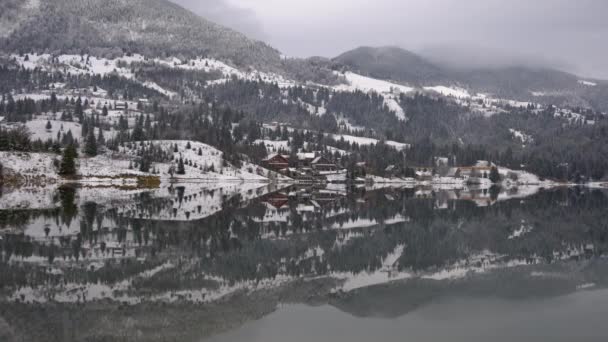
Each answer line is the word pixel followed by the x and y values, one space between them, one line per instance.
pixel 109 27
pixel 391 63
pixel 541 85
pixel 160 28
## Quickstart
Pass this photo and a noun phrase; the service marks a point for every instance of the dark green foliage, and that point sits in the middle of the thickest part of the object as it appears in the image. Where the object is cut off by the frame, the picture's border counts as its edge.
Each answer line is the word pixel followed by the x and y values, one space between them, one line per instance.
pixel 180 167
pixel 90 148
pixel 15 139
pixel 68 161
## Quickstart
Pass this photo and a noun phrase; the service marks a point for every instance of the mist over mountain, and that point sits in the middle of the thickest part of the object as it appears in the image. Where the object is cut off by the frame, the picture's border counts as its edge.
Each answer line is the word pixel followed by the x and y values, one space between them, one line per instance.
pixel 522 78
pixel 105 27
pixel 466 56
pixel 391 63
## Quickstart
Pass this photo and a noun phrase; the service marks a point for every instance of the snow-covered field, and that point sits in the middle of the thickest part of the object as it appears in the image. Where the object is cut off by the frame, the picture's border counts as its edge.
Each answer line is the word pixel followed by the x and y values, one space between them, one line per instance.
pixel 367 141
pixel 38 129
pixel 450 91
pixel 79 65
pixel 29 164
pixel 201 163
pixel 367 84
pixel 587 83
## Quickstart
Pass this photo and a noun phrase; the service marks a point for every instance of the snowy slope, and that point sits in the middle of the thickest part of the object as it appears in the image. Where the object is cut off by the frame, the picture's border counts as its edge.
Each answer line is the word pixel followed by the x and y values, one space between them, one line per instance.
pixel 209 165
pixel 367 84
pixel 366 141
pixel 38 129
pixel 450 91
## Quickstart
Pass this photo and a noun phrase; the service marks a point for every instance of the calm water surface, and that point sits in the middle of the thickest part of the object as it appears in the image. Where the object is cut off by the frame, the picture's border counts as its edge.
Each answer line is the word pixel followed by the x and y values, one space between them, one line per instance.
pixel 576 317
pixel 248 262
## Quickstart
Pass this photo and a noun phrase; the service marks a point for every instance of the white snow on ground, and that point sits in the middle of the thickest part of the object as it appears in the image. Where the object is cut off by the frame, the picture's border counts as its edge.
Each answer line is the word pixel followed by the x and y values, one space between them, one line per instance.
pixel 38 129
pixel 523 177
pixel 208 64
pixel 450 91
pixel 367 141
pixel 587 83
pixel 209 166
pixel 367 84
pixel 524 138
pixel 77 64
pixel 29 164
pixel 154 86
pixel 392 104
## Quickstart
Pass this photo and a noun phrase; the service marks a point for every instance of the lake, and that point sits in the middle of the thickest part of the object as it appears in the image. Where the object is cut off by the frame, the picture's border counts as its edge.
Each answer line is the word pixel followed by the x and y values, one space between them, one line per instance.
pixel 253 262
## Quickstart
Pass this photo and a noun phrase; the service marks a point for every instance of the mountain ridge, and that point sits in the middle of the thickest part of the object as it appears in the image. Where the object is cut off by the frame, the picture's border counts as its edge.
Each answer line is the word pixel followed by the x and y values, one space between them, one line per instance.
pixel 537 84
pixel 106 27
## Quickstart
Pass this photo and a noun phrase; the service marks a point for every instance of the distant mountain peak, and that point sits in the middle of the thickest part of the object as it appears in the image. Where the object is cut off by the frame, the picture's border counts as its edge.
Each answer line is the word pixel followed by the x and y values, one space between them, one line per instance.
pixel 390 62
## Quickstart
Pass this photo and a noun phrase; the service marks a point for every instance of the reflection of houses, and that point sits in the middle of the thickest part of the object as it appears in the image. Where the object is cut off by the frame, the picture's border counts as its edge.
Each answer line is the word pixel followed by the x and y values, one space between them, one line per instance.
pixel 274 214
pixel 454 172
pixel 424 173
pixel 276 162
pixel 277 199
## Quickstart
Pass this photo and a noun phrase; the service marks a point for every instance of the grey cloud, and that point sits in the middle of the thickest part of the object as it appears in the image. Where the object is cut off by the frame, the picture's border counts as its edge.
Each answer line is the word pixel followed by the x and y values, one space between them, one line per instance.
pixel 221 12
pixel 570 35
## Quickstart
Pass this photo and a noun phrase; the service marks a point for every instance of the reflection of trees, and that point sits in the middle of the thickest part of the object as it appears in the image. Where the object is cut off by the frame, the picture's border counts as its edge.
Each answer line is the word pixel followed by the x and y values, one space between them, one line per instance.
pixel 236 245
pixel 69 210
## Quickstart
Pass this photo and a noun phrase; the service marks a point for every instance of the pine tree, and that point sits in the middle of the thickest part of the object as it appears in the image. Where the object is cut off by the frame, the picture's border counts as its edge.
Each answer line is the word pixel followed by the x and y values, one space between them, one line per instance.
pixel 100 138
pixel 68 161
pixel 180 167
pixel 85 128
pixel 48 125
pixel 90 147
pixel 138 131
pixel 78 111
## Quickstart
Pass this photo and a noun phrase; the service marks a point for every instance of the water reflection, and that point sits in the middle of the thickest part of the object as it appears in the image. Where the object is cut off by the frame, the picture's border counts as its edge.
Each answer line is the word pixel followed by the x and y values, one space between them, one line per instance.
pixel 189 246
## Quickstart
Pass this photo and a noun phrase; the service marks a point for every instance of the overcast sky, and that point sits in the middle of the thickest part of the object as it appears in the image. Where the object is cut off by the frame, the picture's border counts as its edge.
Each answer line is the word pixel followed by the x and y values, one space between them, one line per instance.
pixel 568 34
